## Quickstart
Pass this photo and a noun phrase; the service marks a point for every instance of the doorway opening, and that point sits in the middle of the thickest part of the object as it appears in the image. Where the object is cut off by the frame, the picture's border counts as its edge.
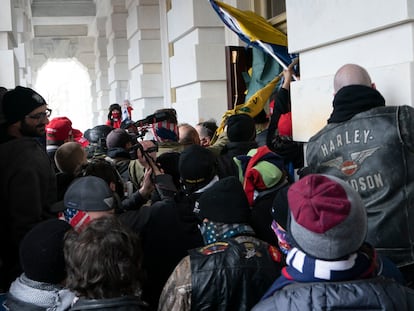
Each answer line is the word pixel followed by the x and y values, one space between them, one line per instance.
pixel 66 86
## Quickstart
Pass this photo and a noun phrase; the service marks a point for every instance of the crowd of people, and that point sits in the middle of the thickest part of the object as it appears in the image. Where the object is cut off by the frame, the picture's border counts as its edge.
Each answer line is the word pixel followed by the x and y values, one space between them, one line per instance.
pixel 160 215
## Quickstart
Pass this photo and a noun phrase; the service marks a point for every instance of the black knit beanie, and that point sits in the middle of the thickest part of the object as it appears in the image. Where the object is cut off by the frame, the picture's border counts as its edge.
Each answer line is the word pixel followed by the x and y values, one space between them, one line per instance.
pixel 225 202
pixel 19 102
pixel 196 167
pixel 241 127
pixel 41 252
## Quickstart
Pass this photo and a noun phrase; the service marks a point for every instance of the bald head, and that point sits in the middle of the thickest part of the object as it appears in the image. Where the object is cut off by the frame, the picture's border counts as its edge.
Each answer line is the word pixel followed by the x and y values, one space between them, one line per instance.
pixel 351 74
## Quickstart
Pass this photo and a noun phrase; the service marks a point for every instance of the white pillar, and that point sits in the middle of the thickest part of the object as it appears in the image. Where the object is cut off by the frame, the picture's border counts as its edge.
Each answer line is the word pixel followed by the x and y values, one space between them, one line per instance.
pixel 144 57
pixel 196 61
pixel 100 110
pixel 15 33
pixel 376 34
pixel 117 51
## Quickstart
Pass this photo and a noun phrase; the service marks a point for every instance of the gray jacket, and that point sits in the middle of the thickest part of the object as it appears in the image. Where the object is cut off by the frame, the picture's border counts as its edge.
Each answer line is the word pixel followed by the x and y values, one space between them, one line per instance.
pixel 369 294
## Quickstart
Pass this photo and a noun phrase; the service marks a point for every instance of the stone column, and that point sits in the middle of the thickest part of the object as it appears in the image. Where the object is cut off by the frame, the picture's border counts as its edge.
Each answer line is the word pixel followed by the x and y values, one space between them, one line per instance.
pixel 376 34
pixel 117 51
pixel 15 36
pixel 196 61
pixel 100 110
pixel 144 57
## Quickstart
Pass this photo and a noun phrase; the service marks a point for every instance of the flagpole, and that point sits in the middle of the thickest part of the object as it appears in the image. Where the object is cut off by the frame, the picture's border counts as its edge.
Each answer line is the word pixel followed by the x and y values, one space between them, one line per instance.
pixel 236 91
pixel 264 46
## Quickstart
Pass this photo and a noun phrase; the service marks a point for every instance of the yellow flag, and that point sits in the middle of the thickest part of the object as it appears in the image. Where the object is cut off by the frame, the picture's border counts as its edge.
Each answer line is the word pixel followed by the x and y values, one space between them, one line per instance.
pixel 252 107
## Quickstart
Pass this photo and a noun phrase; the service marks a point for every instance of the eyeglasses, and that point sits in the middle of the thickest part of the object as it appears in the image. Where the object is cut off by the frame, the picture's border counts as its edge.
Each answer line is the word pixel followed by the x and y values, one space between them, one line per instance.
pixel 40 115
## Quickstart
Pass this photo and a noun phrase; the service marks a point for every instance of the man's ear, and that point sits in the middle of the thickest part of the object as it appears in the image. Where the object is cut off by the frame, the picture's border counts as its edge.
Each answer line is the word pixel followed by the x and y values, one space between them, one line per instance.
pixel 373 86
pixel 14 129
pixel 112 186
pixel 128 145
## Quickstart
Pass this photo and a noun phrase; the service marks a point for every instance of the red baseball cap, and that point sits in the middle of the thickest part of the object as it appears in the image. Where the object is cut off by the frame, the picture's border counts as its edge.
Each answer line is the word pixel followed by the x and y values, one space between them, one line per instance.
pixel 79 138
pixel 58 129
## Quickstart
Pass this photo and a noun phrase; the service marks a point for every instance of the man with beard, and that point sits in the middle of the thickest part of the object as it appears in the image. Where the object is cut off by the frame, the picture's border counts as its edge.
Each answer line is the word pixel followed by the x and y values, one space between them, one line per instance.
pixel 27 180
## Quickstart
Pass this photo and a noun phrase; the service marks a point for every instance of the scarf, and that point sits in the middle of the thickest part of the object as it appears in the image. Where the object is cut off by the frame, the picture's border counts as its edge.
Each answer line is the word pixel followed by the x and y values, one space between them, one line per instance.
pixel 353 99
pixel 49 296
pixel 303 268
pixel 215 231
pixel 76 218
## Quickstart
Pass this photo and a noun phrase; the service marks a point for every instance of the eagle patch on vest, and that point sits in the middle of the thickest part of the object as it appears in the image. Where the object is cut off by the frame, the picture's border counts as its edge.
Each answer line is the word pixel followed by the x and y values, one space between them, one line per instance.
pixel 250 250
pixel 213 248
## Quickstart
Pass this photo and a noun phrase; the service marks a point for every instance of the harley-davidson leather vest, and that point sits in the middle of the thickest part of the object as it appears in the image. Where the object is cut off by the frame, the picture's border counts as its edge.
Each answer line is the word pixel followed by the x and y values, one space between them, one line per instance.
pixel 374 153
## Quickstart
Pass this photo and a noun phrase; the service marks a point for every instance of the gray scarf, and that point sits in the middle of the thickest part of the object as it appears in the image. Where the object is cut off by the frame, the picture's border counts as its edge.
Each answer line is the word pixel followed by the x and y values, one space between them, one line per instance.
pixel 49 296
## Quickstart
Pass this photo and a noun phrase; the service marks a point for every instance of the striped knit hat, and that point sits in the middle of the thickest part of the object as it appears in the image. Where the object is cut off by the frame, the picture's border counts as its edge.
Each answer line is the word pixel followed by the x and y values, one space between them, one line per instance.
pixel 259 170
pixel 328 218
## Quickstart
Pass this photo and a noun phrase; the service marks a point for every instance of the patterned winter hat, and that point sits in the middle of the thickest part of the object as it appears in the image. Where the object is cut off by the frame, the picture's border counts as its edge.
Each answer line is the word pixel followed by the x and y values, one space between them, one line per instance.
pixel 259 170
pixel 328 218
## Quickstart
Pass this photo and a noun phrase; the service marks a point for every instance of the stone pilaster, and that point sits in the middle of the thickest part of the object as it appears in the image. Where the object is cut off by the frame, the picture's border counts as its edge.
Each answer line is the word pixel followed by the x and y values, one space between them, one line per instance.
pixel 117 51
pixel 144 57
pixel 376 34
pixel 197 61
pixel 100 109
pixel 15 36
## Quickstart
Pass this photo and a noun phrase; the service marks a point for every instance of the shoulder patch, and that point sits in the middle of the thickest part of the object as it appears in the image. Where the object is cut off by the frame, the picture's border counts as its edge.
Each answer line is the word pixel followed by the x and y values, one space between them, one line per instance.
pixel 275 254
pixel 213 248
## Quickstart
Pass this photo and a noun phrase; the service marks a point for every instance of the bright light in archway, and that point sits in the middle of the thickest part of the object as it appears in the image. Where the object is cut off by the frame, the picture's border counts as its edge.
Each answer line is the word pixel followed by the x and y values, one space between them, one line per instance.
pixel 65 84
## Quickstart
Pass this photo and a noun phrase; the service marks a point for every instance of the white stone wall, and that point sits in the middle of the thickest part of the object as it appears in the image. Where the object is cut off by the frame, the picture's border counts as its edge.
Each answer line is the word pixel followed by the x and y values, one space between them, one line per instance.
pixel 197 63
pixel 100 110
pixel 144 58
pixel 15 35
pixel 117 51
pixel 162 53
pixel 376 34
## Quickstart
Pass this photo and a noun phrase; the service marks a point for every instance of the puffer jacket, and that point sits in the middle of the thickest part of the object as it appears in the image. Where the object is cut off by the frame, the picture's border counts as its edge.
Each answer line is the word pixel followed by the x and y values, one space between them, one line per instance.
pixel 369 294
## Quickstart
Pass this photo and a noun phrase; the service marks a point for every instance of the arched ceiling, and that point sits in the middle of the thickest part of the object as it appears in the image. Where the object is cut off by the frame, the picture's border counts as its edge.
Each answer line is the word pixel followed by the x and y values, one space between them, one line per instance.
pixel 61 29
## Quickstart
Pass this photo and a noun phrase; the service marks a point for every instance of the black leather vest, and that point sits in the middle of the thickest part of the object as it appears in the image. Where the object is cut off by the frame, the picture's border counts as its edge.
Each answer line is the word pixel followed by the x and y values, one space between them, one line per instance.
pixel 232 274
pixel 374 153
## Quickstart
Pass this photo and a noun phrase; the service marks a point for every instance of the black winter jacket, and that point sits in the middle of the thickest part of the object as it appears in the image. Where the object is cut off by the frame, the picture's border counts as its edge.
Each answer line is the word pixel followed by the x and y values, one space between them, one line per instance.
pixel 127 303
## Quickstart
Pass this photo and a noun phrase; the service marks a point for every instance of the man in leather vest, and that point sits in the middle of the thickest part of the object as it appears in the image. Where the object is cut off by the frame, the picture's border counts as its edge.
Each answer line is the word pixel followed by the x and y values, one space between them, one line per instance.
pixel 371 146
pixel 234 269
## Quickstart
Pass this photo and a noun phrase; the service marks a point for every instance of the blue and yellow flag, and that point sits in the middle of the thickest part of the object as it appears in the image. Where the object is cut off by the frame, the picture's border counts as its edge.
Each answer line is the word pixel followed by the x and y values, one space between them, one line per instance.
pixel 255 30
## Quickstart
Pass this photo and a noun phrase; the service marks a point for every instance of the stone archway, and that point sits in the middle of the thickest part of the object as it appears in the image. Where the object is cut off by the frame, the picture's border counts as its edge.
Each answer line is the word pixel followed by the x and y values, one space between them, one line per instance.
pixel 66 86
